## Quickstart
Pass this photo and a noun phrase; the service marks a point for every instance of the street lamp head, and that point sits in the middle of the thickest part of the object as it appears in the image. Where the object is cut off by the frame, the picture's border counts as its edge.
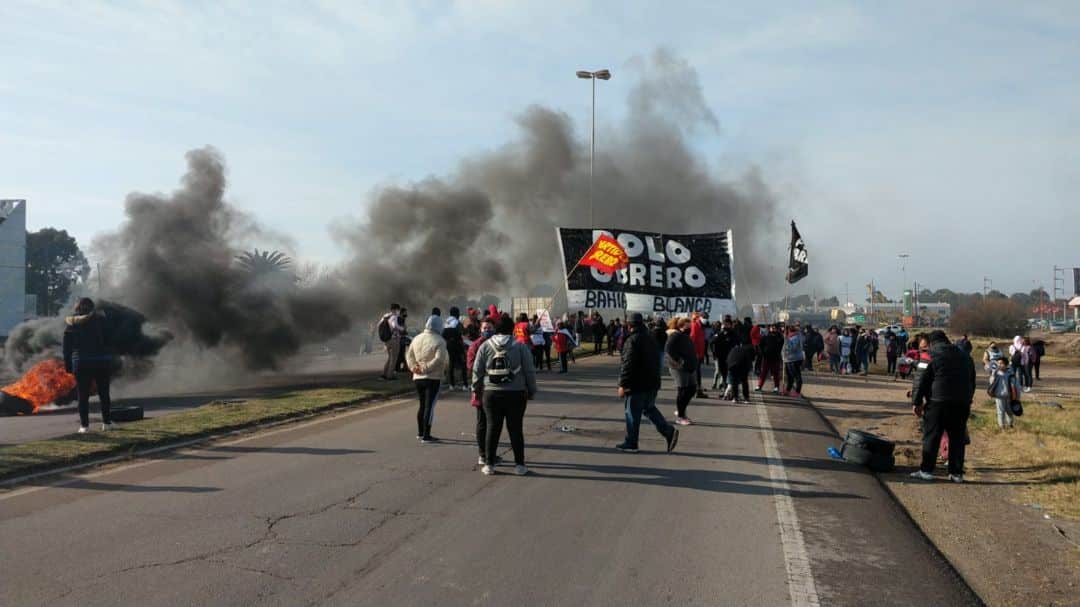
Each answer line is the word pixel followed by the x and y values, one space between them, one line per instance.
pixel 585 75
pixel 603 74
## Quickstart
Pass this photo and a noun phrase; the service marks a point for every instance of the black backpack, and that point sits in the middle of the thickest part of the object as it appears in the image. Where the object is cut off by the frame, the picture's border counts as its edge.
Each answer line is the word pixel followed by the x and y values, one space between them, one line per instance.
pixel 384 329
pixel 498 367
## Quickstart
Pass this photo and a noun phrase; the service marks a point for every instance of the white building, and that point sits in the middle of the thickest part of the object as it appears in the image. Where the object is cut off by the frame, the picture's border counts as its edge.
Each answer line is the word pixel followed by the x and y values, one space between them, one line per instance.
pixel 12 264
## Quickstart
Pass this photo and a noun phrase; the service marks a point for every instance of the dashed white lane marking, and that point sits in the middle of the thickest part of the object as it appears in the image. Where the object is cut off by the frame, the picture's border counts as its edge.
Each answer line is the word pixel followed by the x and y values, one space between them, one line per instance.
pixel 800 578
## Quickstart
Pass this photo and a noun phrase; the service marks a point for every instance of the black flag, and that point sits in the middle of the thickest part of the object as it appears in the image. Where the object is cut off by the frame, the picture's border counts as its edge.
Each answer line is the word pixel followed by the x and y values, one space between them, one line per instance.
pixel 798 267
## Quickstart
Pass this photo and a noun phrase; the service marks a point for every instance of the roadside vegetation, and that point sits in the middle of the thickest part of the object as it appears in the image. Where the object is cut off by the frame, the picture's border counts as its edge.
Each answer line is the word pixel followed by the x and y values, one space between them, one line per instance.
pixel 212 418
pixel 1042 451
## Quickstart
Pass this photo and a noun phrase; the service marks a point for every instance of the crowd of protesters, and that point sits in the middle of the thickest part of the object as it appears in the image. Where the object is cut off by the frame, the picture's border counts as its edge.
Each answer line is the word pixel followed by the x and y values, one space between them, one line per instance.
pixel 496 358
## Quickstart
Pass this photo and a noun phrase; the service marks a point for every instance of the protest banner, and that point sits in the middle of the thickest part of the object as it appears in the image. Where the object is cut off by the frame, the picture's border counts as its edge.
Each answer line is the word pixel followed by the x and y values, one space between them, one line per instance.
pixel 665 274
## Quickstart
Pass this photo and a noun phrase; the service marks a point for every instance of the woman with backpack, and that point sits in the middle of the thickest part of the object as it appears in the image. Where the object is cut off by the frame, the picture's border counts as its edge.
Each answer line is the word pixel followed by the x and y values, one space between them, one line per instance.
pixel 503 371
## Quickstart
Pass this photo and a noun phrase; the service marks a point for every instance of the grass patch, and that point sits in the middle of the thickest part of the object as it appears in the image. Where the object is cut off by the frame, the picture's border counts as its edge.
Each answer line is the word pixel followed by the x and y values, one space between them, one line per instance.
pixel 1043 449
pixel 211 418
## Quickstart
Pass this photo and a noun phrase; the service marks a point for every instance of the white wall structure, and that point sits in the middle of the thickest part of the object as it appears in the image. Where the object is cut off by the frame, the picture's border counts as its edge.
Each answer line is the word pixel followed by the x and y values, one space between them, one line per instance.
pixel 12 264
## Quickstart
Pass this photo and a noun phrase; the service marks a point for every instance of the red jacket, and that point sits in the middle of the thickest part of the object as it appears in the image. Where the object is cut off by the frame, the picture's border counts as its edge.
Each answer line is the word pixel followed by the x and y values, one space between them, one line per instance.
pixel 697 335
pixel 755 335
pixel 522 335
pixel 562 342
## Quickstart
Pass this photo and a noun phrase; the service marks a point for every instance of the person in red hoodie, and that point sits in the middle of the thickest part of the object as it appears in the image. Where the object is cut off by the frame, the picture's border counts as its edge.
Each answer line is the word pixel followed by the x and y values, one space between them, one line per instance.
pixel 697 336
pixel 564 345
pixel 755 343
pixel 522 331
pixel 478 335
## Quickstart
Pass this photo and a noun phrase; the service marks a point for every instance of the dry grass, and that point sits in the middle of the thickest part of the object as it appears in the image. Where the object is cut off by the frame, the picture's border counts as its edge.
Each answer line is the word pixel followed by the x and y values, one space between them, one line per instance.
pixel 1042 452
pixel 209 419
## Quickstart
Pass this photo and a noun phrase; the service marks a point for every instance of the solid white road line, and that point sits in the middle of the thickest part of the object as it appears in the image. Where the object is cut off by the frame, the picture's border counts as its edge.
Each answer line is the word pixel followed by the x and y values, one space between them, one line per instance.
pixel 800 577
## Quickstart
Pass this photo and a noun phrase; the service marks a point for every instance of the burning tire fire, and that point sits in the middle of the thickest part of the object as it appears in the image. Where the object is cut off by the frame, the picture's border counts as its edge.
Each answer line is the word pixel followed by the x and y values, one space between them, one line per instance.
pixel 46 382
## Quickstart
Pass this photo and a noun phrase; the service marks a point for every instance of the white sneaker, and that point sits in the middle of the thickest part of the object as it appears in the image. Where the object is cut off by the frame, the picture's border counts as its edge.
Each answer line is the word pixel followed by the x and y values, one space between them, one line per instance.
pixel 107 427
pixel 520 470
pixel 480 461
pixel 923 476
pixel 956 478
pixel 1027 389
pixel 488 470
pixel 84 429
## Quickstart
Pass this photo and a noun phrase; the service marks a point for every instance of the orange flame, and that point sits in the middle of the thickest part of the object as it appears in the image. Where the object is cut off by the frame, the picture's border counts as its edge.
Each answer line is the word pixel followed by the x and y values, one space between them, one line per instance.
pixel 44 383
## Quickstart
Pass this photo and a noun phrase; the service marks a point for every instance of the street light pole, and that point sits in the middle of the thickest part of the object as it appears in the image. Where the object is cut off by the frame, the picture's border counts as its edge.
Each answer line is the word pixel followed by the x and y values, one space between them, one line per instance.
pixel 903 257
pixel 594 76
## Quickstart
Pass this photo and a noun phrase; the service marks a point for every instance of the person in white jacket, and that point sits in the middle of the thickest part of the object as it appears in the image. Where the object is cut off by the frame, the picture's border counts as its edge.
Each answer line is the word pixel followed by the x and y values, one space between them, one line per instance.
pixel 427 358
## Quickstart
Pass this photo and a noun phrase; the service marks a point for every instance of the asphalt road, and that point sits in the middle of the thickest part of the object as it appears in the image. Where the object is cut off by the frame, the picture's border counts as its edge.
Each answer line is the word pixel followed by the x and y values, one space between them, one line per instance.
pixel 53 422
pixel 350 510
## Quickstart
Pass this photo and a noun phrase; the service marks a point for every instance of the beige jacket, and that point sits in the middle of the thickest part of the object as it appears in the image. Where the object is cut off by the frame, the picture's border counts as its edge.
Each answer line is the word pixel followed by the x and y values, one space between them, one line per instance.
pixel 428 352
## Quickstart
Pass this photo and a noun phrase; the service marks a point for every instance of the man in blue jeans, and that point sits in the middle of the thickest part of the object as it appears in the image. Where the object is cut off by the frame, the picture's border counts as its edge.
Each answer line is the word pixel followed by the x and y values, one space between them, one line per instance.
pixel 639 381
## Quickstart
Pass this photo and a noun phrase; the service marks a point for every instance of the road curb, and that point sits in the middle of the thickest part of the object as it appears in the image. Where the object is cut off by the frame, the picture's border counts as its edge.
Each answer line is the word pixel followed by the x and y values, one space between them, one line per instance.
pixel 45 471
pixel 934 549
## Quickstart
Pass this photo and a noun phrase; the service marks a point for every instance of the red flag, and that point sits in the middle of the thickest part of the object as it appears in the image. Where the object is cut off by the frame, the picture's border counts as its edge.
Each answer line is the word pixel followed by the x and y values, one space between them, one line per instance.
pixel 606 255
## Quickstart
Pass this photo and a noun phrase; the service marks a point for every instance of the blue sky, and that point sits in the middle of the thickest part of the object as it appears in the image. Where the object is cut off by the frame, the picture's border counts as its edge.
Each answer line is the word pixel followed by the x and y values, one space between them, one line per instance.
pixel 947 130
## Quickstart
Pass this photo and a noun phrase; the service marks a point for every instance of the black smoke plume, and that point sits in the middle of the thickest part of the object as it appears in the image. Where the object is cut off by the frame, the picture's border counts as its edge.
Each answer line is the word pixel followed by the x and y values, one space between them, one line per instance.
pixel 487 227
pixel 131 338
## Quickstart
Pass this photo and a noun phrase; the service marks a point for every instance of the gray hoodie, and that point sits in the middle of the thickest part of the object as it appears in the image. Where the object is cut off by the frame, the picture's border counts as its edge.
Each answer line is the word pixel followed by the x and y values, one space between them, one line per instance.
pixel 517 355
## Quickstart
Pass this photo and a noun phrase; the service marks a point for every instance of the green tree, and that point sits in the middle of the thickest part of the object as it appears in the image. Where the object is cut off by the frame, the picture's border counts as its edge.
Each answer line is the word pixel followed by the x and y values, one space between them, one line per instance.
pixel 53 264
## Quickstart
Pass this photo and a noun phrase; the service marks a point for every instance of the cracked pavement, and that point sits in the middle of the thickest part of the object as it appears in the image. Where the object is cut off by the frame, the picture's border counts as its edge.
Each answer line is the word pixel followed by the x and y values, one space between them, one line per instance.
pixel 350 510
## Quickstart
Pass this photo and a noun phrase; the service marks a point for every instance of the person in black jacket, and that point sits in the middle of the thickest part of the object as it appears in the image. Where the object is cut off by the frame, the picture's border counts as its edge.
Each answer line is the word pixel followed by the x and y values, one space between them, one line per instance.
pixel 719 346
pixel 455 347
pixel 947 385
pixel 772 350
pixel 682 362
pixel 639 381
pixel 740 361
pixel 659 333
pixel 86 356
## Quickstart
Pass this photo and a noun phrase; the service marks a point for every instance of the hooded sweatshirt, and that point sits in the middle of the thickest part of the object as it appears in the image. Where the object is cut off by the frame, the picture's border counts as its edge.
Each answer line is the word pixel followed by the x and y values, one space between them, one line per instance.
pixel 428 351
pixel 518 356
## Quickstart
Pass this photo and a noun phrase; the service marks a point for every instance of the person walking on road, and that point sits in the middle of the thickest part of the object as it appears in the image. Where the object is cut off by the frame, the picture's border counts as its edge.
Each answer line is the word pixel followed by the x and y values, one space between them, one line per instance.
pixel 503 371
pixel 455 346
pixel 483 332
pixel 390 334
pixel 832 349
pixel 772 349
pixel 720 345
pixel 947 385
pixel 892 351
pixel 793 356
pixel 86 356
pixel 697 336
pixel 639 381
pixel 863 345
pixel 682 364
pixel 740 361
pixel 564 345
pixel 427 358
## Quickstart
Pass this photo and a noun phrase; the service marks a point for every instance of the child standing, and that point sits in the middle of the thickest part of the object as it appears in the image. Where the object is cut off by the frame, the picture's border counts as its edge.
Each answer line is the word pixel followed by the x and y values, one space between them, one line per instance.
pixel 1005 389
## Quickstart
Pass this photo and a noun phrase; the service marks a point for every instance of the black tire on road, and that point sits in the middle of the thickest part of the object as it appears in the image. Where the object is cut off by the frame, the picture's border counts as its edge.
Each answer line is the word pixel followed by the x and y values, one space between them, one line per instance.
pixel 126 413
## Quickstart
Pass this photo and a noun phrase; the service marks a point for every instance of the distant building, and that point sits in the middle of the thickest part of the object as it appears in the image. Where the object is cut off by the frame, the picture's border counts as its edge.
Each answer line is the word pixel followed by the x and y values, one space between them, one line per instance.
pixel 12 264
